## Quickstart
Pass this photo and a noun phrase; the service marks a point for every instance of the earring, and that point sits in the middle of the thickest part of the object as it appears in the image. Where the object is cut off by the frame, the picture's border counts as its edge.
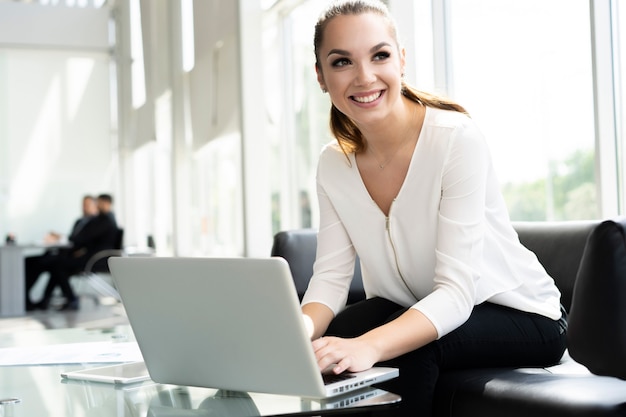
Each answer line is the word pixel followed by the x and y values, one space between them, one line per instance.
pixel 324 90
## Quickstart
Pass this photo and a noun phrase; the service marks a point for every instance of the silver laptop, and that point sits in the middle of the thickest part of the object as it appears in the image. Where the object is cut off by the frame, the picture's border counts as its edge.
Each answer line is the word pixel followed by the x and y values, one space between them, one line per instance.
pixel 228 323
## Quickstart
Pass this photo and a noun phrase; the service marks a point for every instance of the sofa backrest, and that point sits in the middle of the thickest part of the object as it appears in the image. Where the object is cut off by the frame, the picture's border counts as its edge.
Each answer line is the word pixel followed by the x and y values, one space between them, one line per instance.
pixel 299 247
pixel 559 246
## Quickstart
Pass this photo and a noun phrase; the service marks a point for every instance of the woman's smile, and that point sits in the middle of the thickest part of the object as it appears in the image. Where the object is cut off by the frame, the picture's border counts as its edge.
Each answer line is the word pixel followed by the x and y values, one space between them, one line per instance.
pixel 367 98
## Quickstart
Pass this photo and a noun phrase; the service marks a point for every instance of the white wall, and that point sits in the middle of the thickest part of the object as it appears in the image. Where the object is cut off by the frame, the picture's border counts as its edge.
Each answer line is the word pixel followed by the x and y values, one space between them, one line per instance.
pixel 23 24
pixel 56 141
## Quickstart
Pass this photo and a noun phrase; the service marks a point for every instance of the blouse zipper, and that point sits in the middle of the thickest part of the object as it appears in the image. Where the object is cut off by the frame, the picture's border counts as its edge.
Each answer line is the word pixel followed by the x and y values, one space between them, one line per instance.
pixel 395 255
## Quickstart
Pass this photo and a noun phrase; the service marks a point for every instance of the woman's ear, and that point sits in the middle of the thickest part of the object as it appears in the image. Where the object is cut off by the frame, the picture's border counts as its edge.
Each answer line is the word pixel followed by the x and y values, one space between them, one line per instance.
pixel 403 61
pixel 320 78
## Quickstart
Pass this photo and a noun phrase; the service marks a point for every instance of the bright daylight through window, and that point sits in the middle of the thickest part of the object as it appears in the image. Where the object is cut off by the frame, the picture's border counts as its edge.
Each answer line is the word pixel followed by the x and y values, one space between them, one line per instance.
pixel 523 70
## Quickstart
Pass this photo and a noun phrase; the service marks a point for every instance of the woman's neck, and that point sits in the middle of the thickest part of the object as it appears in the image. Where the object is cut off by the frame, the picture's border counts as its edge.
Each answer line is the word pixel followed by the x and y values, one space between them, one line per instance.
pixel 384 139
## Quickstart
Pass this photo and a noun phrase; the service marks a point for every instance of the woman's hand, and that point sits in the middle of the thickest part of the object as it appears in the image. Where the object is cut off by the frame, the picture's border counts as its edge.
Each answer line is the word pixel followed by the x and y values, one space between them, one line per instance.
pixel 341 354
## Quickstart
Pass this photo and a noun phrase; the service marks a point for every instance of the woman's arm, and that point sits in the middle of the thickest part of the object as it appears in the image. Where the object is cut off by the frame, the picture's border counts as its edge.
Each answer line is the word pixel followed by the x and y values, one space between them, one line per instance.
pixel 408 332
pixel 320 315
pixel 333 269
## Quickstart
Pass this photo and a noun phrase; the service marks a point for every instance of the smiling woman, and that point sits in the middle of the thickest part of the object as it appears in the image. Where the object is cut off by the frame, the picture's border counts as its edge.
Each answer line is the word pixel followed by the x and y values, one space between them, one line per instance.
pixel 410 188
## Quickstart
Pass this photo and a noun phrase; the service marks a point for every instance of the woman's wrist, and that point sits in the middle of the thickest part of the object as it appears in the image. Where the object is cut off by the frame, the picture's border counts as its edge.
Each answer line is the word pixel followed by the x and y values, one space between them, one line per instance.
pixel 308 325
pixel 376 346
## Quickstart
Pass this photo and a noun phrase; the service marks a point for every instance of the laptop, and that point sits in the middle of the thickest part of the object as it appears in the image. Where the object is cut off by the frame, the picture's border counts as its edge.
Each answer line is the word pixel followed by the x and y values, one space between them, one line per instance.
pixel 227 323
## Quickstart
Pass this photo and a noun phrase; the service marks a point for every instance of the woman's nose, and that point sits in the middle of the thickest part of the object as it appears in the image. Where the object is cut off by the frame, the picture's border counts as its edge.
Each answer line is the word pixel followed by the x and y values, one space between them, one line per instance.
pixel 365 75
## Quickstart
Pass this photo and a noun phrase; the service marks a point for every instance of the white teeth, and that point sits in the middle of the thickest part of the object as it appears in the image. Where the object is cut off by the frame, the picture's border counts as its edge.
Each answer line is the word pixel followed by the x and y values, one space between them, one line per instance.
pixel 367 99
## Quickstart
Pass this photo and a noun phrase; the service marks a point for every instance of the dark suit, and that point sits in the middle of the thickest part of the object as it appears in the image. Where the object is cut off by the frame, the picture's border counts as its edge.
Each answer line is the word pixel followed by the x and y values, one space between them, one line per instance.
pixel 88 236
pixel 34 266
pixel 97 234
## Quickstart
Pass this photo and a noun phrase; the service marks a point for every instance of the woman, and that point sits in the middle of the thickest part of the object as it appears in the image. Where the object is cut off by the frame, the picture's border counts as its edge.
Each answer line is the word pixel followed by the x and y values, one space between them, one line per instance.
pixel 409 187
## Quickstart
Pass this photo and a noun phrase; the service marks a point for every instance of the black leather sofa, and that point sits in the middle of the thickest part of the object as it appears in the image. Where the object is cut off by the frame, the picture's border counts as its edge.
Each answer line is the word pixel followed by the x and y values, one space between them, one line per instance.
pixel 588 262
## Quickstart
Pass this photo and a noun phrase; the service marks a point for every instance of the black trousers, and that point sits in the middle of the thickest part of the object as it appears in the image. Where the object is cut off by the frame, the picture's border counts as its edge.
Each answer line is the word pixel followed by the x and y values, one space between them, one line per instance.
pixel 493 336
pixel 61 265
pixel 60 272
pixel 34 266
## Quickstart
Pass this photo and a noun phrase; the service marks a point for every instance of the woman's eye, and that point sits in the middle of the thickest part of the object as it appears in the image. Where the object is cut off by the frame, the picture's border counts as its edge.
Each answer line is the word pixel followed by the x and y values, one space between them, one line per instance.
pixel 380 56
pixel 341 62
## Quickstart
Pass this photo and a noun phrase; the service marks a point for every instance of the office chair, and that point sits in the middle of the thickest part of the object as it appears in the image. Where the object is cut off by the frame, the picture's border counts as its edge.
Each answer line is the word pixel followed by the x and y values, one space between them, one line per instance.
pixel 97 267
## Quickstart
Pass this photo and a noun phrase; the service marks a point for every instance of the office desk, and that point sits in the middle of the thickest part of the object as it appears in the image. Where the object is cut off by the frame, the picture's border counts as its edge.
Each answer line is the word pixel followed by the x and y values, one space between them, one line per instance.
pixel 12 298
pixel 41 391
pixel 12 281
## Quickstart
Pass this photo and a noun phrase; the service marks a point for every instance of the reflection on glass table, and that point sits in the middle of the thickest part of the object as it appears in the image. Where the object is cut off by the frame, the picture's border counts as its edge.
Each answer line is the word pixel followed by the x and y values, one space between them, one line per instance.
pixel 42 392
pixel 39 390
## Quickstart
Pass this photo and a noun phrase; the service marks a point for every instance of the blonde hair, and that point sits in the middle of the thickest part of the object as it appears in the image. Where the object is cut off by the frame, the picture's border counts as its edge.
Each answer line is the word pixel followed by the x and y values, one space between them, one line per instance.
pixel 346 132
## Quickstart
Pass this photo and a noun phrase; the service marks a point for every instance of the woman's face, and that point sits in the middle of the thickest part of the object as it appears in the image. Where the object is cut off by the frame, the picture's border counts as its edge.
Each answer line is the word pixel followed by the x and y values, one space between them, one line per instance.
pixel 361 66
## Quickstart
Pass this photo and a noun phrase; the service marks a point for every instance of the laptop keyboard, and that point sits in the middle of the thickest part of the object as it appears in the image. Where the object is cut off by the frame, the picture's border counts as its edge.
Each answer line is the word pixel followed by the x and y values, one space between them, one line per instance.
pixel 332 378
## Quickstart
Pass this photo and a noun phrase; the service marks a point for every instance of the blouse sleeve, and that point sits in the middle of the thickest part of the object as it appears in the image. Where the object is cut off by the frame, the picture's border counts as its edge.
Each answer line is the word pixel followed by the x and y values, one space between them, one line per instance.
pixel 460 230
pixel 334 265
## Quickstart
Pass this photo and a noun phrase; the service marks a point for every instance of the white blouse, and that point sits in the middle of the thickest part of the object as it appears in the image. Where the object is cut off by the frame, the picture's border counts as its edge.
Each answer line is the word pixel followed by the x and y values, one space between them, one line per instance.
pixel 447 244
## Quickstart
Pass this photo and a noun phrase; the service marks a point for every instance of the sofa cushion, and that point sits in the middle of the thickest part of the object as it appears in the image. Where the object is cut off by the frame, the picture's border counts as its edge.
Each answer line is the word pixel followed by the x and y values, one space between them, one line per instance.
pixel 597 320
pixel 567 389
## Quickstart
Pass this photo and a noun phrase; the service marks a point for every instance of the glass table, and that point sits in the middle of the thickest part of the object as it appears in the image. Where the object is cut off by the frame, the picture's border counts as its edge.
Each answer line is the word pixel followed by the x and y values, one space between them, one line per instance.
pixel 38 390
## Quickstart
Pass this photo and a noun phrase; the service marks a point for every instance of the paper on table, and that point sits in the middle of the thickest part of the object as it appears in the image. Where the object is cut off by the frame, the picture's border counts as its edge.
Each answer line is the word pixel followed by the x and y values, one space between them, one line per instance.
pixel 93 352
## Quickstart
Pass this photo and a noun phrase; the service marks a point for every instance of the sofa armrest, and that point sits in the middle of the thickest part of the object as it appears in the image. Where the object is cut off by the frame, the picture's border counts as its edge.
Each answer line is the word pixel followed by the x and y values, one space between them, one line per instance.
pixel 597 321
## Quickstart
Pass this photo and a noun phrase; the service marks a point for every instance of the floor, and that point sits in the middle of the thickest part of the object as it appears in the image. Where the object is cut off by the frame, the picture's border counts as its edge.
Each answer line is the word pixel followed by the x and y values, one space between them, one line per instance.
pixel 89 315
pixel 95 311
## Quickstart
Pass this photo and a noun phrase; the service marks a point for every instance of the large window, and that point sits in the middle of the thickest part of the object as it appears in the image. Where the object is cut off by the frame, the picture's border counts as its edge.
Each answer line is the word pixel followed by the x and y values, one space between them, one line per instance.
pixel 523 70
pixel 217 199
pixel 297 115
pixel 619 13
